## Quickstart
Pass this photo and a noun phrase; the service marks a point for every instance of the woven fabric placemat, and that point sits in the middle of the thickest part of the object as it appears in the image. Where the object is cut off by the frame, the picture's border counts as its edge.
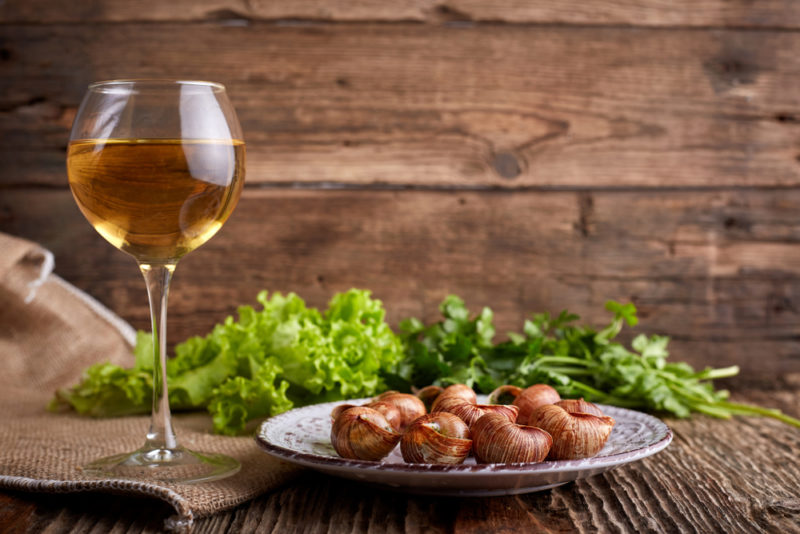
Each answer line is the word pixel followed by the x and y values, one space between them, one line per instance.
pixel 49 333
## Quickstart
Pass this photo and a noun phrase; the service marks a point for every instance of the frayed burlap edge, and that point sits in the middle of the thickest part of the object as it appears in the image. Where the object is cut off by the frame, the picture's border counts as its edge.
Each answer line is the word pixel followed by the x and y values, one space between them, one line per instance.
pixel 28 281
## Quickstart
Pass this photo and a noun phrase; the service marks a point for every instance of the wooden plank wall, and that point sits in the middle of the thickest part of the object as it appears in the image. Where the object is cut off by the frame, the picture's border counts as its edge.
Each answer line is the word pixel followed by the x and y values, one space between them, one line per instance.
pixel 527 155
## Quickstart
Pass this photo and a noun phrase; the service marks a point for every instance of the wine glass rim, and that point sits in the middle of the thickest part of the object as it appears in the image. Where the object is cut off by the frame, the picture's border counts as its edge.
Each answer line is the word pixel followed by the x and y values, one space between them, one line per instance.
pixel 216 86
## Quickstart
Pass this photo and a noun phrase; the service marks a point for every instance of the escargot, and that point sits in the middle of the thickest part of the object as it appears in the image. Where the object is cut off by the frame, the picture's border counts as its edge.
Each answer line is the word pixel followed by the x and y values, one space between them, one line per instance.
pixel 428 395
pixel 363 433
pixel 409 406
pixel 580 405
pixel 454 395
pixel 495 439
pixel 390 411
pixel 575 434
pixel 470 413
pixel 436 438
pixel 531 398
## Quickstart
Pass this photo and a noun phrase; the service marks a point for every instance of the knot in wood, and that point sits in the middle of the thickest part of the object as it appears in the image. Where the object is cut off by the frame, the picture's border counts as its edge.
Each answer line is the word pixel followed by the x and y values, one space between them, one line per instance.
pixel 506 165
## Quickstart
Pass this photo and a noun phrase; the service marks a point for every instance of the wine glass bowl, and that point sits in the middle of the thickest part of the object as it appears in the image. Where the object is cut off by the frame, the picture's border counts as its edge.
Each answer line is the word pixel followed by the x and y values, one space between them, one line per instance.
pixel 157 167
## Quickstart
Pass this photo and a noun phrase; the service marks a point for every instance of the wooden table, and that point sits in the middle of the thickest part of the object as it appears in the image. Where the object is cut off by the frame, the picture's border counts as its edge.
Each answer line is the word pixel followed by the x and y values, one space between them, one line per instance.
pixel 716 476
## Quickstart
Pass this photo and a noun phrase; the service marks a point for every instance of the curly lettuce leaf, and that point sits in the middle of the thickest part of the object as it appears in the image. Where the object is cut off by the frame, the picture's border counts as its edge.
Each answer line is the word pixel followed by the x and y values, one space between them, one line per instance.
pixel 239 399
pixel 108 390
pixel 264 363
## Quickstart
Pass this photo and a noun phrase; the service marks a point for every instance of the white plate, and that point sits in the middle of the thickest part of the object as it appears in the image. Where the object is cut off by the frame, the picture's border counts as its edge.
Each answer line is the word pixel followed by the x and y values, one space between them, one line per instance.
pixel 302 436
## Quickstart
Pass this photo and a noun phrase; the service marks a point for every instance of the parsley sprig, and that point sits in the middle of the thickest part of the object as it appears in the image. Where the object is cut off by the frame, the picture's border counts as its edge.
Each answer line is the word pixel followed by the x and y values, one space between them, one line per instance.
pixel 575 359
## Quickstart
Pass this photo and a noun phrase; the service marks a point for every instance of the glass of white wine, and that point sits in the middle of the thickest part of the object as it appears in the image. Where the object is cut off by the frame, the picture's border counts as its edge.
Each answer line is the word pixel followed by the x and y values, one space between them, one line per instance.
pixel 157 167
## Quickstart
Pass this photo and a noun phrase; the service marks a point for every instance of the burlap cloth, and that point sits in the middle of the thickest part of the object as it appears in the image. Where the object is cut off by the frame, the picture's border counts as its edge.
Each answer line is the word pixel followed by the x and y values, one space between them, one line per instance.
pixel 49 332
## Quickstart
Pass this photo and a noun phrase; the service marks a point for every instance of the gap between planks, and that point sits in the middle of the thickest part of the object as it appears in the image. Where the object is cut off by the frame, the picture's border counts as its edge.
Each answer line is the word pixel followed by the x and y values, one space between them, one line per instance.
pixel 446 188
pixel 466 24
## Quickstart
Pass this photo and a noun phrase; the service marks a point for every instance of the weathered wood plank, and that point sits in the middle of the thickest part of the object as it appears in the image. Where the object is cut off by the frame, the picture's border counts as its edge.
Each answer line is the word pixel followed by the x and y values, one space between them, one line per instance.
pixel 15 513
pixel 725 291
pixel 702 13
pixel 415 105
pixel 717 476
pixel 738 476
pixel 84 513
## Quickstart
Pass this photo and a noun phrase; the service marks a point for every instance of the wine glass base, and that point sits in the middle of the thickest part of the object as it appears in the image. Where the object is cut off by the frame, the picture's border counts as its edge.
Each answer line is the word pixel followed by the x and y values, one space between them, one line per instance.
pixel 178 465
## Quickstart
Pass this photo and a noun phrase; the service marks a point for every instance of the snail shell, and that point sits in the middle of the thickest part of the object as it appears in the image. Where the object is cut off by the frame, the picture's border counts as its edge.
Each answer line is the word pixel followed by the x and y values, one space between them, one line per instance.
pixel 452 396
pixel 338 409
pixel 580 405
pixel 529 399
pixel 428 395
pixel 470 413
pixel 497 440
pixel 575 435
pixel 409 406
pixel 436 438
pixel 504 394
pixel 363 433
pixel 390 412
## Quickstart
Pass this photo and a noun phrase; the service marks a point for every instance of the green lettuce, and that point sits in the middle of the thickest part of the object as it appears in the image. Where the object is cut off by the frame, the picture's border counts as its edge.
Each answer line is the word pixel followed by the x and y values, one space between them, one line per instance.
pixel 262 364
pixel 287 355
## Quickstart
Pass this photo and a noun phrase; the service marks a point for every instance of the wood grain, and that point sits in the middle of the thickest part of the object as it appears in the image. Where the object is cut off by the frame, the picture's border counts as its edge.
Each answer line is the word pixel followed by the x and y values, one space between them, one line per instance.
pixel 737 476
pixel 654 13
pixel 717 271
pixel 529 156
pixel 423 106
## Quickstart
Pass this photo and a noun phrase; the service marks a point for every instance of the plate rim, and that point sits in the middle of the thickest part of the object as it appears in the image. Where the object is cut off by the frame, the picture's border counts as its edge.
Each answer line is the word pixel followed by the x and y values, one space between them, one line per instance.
pixel 551 466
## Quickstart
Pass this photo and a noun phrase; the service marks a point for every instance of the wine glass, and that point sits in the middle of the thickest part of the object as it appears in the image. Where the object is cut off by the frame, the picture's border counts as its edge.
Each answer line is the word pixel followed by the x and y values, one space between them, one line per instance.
pixel 157 166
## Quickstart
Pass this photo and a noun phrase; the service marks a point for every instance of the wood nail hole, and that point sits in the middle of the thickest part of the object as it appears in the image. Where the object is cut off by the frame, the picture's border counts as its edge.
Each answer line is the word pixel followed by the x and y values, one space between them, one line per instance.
pixel 786 118
pixel 736 223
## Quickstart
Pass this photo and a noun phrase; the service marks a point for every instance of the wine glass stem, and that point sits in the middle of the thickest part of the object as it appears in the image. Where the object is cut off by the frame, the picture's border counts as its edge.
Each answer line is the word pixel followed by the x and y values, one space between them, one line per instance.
pixel 158 277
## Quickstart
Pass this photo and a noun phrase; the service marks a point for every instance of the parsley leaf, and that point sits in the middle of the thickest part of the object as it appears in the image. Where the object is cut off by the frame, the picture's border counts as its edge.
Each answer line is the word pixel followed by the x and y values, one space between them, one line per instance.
pixel 576 360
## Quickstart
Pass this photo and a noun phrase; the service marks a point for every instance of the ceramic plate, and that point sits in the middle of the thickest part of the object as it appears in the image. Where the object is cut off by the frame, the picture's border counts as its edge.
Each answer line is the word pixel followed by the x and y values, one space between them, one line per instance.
pixel 302 436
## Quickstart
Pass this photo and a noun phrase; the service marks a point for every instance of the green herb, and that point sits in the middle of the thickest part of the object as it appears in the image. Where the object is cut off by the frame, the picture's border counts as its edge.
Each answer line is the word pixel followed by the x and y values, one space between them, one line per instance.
pixel 577 360
pixel 287 355
pixel 266 362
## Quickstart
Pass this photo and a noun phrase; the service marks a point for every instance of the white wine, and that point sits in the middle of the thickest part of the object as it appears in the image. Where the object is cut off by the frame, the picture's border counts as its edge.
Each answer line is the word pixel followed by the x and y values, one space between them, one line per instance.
pixel 156 199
